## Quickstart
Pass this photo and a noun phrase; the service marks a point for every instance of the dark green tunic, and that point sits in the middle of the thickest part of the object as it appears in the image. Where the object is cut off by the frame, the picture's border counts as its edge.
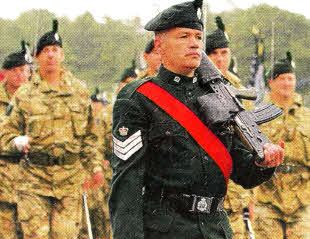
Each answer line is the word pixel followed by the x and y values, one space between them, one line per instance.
pixel 166 156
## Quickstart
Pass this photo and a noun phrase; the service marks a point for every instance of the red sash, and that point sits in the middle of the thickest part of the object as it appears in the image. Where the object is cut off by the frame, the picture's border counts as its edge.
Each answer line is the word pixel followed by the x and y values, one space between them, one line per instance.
pixel 200 132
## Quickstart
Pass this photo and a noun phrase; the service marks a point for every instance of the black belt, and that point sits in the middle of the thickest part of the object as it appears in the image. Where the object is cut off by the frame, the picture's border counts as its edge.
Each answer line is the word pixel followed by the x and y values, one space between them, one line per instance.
pixel 47 160
pixel 188 202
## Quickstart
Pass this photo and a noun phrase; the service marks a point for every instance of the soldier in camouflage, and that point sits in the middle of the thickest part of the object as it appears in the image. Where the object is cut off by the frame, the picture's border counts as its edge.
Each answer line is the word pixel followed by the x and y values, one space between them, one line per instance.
pixel 16 70
pixel 98 197
pixel 128 75
pixel 50 123
pixel 152 59
pixel 283 203
pixel 217 49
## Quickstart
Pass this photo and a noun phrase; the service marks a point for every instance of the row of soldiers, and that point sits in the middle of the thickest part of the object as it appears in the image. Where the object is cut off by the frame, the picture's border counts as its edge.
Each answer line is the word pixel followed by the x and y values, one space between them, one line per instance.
pixel 55 144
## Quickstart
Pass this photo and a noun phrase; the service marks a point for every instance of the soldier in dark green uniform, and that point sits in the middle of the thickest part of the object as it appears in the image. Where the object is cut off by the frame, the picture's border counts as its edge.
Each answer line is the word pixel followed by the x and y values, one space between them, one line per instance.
pixel 165 184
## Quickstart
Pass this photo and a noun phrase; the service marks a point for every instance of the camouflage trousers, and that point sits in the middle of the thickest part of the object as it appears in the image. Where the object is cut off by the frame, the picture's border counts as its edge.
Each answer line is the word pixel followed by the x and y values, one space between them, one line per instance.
pixel 237 225
pixel 48 217
pixel 8 221
pixel 269 223
pixel 99 216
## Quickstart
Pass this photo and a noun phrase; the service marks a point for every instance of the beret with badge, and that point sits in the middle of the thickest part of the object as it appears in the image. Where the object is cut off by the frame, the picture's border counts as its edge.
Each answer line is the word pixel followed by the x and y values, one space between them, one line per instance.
pixel 187 15
pixel 50 38
pixel 282 66
pixel 218 38
pixel 19 58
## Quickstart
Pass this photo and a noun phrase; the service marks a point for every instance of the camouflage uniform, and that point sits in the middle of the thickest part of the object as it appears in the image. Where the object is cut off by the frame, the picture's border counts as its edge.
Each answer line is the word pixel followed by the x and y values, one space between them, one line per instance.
pixel 60 123
pixel 98 198
pixel 284 201
pixel 8 180
pixel 237 197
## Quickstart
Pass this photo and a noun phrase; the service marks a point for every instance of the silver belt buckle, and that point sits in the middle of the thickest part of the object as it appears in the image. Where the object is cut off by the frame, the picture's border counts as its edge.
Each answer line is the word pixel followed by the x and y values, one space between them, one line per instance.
pixel 204 204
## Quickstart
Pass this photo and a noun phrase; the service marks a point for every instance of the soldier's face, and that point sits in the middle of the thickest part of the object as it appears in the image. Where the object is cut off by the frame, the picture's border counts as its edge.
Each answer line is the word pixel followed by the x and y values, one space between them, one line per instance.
pixel 16 76
pixel 221 58
pixel 50 58
pixel 153 60
pixel 284 85
pixel 180 49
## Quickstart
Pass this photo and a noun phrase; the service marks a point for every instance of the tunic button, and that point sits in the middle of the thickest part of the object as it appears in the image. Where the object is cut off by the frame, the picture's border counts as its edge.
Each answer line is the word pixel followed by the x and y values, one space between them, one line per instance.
pixel 189 93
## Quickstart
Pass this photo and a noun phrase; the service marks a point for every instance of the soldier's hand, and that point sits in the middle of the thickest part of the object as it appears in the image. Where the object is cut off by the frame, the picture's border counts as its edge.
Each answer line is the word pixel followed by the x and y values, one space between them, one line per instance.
pixel 94 182
pixel 274 155
pixel 97 179
pixel 22 143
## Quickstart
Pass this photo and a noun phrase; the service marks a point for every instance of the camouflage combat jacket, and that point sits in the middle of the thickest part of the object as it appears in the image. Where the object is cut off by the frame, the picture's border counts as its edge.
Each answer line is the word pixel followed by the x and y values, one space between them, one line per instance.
pixel 61 126
pixel 290 189
pixel 4 99
pixel 237 198
pixel 8 171
pixel 162 154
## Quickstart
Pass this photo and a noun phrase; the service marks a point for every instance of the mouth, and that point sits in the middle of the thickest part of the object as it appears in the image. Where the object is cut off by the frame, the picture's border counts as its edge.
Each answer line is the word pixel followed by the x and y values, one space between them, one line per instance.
pixel 194 54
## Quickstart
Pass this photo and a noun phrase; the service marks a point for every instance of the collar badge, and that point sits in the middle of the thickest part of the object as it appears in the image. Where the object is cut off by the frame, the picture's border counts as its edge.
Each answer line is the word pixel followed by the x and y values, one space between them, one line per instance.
pixel 177 79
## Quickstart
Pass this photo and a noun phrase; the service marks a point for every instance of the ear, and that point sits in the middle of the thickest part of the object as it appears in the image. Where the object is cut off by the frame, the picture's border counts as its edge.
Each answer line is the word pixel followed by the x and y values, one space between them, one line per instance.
pixel 158 45
pixel 144 56
pixel 269 82
pixel 62 54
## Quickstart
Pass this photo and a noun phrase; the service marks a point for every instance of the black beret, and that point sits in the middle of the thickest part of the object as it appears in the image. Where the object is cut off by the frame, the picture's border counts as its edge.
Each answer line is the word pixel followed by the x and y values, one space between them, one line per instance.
pixel 49 39
pixel 218 38
pixel 19 58
pixel 149 47
pixel 282 66
pixel 186 15
pixel 129 72
pixel 97 97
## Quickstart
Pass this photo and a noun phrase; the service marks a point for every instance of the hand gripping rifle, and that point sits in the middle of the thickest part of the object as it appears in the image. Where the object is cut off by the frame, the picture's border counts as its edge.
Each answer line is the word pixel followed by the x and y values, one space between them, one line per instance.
pixel 223 106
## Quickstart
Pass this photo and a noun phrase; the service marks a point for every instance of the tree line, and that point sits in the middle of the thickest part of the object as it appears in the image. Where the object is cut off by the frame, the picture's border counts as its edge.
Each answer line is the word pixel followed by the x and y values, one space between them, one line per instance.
pixel 97 52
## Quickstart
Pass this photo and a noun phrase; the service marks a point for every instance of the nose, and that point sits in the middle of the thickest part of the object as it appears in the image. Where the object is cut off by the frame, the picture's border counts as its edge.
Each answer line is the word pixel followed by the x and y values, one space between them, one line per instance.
pixel 50 54
pixel 195 43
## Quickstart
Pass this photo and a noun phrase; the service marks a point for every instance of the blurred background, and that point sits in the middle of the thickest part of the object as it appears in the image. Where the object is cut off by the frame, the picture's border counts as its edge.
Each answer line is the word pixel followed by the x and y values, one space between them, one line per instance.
pixel 100 38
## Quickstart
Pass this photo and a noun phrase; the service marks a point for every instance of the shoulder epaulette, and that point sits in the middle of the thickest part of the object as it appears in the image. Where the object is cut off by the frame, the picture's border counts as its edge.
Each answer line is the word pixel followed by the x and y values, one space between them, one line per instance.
pixel 128 90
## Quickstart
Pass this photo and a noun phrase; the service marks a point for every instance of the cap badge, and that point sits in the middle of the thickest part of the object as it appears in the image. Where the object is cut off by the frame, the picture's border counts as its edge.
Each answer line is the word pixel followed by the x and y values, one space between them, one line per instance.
pixel 56 37
pixel 199 13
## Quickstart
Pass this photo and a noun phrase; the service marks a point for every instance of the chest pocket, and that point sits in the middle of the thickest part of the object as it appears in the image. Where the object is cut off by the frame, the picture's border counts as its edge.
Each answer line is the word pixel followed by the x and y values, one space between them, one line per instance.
pixel 79 117
pixel 40 124
pixel 164 134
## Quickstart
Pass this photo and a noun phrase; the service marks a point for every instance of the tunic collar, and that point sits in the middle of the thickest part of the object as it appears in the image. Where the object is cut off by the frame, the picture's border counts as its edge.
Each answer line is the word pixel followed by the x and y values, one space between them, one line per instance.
pixel 174 78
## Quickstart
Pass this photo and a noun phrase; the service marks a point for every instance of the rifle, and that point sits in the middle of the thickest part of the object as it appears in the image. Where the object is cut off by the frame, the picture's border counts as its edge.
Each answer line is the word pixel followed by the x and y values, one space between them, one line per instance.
pixel 223 106
pixel 248 225
pixel 90 233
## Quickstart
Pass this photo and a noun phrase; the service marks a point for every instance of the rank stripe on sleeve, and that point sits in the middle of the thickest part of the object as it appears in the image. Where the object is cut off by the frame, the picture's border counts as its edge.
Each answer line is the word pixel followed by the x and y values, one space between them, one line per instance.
pixel 125 149
pixel 193 125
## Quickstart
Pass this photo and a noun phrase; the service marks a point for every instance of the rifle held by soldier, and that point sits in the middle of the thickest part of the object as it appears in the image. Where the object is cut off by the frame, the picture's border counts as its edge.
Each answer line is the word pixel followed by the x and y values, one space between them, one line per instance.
pixel 223 107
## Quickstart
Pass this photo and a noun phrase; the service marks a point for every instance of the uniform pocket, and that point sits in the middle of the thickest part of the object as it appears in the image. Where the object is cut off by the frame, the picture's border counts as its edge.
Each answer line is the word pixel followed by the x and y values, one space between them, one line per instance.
pixel 306 142
pixel 39 126
pixel 79 118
